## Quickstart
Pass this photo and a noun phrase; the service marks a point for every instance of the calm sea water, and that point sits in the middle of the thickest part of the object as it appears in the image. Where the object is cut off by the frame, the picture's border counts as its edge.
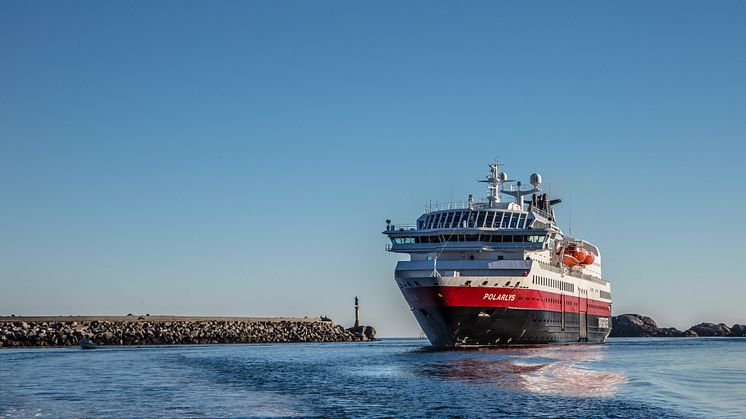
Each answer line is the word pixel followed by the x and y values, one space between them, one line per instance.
pixel 624 378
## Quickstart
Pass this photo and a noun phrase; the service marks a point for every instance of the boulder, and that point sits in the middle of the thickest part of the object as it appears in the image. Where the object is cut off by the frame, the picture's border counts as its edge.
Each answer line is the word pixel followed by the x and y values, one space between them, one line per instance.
pixel 633 325
pixel 369 332
pixel 669 332
pixel 738 330
pixel 711 329
pixel 359 334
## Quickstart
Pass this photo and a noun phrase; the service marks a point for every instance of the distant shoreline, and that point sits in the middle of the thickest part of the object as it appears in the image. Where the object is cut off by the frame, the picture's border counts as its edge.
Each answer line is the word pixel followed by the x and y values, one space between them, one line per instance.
pixel 633 325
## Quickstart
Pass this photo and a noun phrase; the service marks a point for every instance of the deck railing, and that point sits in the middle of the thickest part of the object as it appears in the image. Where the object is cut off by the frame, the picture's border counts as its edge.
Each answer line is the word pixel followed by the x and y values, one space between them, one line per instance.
pixel 401 227
pixel 541 212
pixel 443 206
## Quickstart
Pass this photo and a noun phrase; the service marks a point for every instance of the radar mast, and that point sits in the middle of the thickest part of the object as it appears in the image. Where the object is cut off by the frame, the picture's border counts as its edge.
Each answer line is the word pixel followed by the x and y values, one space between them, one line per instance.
pixel 495 180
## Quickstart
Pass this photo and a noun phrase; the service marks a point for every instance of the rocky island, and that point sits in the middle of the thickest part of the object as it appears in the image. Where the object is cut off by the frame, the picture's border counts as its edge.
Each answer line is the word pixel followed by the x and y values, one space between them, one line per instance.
pixel 166 330
pixel 636 325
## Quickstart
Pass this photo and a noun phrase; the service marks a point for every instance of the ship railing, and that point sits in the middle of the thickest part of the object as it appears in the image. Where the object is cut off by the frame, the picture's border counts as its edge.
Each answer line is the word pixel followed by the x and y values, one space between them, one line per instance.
pixel 443 206
pixel 401 227
pixel 541 212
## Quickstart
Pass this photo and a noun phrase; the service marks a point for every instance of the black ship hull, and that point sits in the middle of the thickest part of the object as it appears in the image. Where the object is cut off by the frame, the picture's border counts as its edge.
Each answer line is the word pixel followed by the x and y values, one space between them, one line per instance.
pixel 490 326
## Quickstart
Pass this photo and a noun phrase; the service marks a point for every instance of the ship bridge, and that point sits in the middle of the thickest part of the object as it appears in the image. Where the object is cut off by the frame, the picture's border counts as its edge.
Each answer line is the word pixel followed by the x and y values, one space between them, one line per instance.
pixel 481 226
pixel 475 228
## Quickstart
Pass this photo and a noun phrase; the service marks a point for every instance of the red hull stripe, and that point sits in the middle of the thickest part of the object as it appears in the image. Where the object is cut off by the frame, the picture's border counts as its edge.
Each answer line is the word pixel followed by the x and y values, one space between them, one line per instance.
pixel 421 297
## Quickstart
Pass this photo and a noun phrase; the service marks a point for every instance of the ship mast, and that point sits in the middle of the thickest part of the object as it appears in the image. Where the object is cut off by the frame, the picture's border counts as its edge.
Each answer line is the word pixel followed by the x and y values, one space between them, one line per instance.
pixel 495 180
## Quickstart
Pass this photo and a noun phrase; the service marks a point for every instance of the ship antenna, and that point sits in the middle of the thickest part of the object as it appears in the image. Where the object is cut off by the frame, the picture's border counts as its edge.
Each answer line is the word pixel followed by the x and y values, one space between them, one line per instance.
pixel 570 217
pixel 494 181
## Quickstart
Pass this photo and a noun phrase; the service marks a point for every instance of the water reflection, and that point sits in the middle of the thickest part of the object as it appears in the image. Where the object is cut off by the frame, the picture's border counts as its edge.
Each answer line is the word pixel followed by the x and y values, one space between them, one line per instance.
pixel 551 370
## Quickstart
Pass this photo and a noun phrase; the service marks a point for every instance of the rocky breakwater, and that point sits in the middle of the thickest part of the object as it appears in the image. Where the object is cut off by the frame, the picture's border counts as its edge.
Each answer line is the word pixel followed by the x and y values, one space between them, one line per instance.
pixel 364 333
pixel 148 332
pixel 636 325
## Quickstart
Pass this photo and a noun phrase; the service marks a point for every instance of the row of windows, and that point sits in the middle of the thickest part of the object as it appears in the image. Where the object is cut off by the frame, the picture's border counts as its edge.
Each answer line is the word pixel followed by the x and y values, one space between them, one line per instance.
pixel 554 283
pixel 487 238
pixel 548 300
pixel 473 219
pixel 605 294
pixel 597 307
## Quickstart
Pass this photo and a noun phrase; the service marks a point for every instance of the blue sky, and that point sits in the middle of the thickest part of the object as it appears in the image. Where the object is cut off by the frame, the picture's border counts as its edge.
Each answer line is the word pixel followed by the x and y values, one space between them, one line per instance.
pixel 240 158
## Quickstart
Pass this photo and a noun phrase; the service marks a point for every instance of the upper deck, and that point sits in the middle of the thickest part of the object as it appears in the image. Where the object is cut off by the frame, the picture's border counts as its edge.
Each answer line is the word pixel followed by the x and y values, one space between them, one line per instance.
pixel 490 224
pixel 483 228
pixel 470 231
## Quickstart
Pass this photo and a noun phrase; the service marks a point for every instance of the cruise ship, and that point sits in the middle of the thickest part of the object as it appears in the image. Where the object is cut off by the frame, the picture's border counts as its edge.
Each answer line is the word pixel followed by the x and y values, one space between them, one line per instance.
pixel 501 271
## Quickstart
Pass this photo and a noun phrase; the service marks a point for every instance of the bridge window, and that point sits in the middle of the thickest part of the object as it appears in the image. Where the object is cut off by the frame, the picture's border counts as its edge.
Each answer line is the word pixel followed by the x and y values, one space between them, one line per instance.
pixel 447 219
pixel 481 216
pixel 536 239
pixel 403 240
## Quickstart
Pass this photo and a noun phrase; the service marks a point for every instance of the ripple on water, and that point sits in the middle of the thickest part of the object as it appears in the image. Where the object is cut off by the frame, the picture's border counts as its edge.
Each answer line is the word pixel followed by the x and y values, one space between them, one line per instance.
pixel 626 378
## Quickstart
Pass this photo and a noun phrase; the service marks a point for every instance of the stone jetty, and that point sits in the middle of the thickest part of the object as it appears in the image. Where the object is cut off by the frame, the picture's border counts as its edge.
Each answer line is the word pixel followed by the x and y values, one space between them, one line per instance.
pixel 636 325
pixel 167 330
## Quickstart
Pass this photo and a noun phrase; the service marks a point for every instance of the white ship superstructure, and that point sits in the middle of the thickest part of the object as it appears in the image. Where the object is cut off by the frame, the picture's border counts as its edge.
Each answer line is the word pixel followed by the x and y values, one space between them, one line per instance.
pixel 495 272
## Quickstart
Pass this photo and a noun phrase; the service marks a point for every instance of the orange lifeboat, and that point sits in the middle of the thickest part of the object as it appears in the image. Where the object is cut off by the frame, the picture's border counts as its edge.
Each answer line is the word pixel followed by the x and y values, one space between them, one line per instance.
pixel 574 255
pixel 569 256
pixel 582 254
pixel 569 260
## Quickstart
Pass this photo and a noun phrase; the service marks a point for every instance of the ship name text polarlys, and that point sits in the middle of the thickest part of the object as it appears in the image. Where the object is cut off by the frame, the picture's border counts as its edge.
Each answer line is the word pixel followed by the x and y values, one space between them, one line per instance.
pixel 499 297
